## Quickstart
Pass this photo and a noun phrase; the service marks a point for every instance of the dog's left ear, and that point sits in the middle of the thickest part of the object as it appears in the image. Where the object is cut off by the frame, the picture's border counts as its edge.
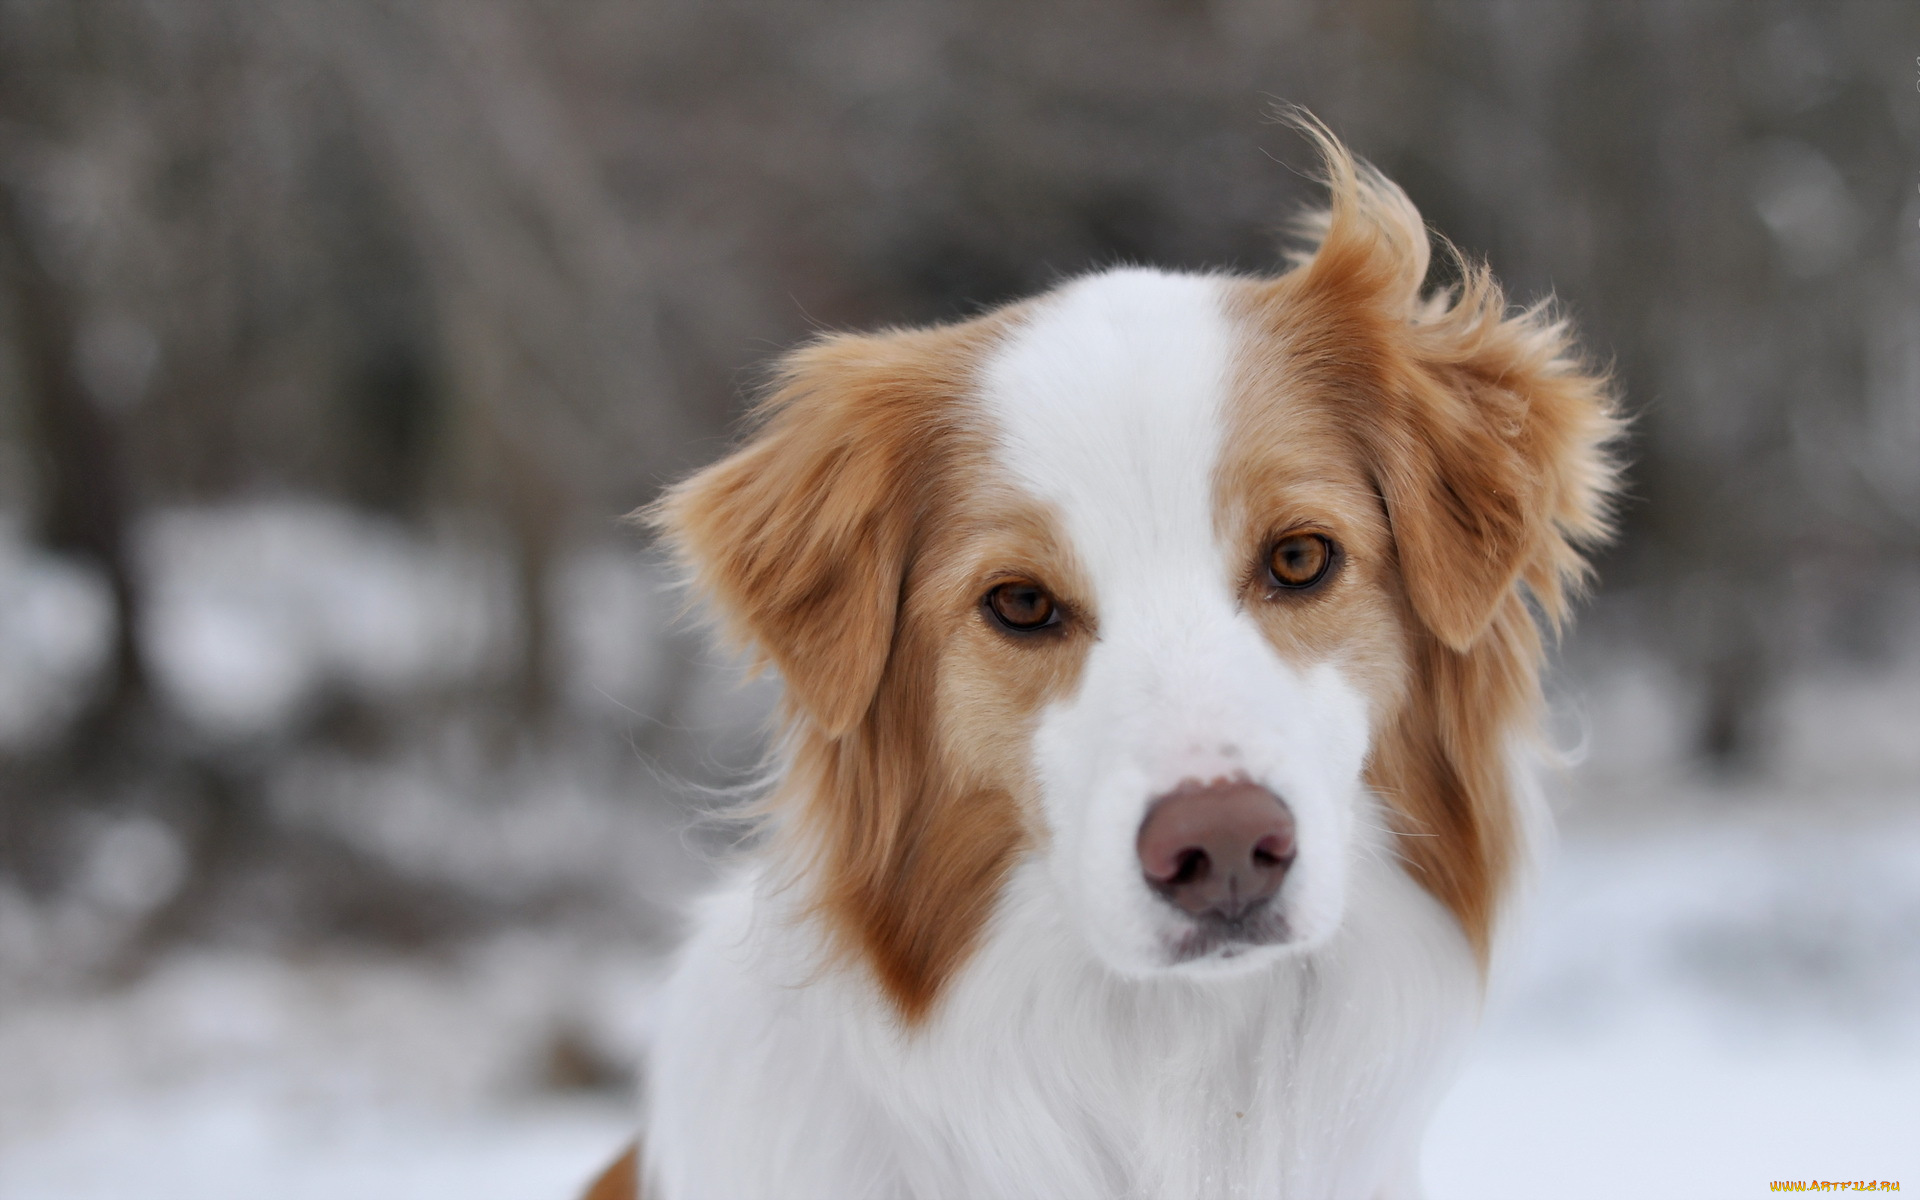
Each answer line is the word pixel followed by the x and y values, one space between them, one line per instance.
pixel 801 536
pixel 1488 436
pixel 1495 470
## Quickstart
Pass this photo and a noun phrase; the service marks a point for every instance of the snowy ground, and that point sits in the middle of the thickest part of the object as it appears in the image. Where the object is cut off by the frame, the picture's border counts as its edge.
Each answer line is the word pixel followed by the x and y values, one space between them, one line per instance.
pixel 1703 1010
pixel 1719 987
pixel 1721 984
pixel 227 1076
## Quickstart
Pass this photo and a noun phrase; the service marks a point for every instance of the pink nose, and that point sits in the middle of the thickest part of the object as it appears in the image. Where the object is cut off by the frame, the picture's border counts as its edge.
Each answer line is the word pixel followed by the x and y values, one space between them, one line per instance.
pixel 1217 849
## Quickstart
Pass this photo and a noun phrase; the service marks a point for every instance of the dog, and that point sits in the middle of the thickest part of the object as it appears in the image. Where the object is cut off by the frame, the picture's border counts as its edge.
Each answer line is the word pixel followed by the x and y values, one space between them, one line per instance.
pixel 1161 662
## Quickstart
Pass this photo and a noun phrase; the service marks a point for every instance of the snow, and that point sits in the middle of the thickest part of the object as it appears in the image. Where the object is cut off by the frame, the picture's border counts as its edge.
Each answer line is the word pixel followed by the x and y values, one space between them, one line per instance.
pixel 55 623
pixel 223 1142
pixel 1647 1114
pixel 254 608
pixel 1703 1010
pixel 229 1075
pixel 1719 983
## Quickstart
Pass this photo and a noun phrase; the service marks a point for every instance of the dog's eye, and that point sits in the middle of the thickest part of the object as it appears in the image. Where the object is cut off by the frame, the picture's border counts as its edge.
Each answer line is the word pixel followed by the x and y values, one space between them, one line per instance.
pixel 1022 607
pixel 1299 560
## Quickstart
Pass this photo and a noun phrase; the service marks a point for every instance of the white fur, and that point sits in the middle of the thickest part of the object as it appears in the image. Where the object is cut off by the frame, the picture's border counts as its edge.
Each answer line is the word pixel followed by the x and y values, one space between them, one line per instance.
pixel 1072 1056
pixel 1109 405
pixel 1044 1074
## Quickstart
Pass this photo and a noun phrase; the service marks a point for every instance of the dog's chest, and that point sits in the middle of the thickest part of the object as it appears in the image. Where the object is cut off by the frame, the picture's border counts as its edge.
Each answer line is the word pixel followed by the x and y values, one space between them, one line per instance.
pixel 1044 1075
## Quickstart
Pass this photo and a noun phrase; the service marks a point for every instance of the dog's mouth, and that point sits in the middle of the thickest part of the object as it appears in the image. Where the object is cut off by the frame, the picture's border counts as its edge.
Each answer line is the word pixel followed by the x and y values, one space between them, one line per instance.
pixel 1216 937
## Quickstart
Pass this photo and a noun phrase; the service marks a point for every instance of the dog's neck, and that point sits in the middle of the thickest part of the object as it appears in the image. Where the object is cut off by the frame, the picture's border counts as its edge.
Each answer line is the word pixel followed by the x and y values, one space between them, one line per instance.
pixel 1268 1081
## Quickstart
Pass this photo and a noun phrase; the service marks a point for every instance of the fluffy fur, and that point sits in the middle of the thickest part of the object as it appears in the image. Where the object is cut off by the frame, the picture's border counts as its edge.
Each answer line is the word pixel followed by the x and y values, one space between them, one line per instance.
pixel 942 974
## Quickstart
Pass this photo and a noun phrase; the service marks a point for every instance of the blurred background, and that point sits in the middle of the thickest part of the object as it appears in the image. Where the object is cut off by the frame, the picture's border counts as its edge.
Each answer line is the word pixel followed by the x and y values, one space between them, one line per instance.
pixel 350 755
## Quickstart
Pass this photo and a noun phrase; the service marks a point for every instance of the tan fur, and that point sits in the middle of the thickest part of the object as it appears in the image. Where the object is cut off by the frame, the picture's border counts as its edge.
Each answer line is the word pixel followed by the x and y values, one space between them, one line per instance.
pixel 620 1181
pixel 848 542
pixel 801 537
pixel 1485 440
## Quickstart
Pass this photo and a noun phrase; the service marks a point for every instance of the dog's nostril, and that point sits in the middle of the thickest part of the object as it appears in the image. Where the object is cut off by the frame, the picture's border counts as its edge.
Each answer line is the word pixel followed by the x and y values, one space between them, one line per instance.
pixel 1192 865
pixel 1218 849
pixel 1274 850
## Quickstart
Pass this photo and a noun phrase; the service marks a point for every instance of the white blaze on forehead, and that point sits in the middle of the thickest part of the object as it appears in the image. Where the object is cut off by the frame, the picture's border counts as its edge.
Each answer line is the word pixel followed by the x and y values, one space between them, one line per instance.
pixel 1109 403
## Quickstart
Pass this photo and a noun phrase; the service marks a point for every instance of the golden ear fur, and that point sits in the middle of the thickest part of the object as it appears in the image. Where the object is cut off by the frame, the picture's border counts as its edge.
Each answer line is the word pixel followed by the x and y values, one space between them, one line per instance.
pixel 800 537
pixel 1490 436
pixel 803 539
pixel 1489 440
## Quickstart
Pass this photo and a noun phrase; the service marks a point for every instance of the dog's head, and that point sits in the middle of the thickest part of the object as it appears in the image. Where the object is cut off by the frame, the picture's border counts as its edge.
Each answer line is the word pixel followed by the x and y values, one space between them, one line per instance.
pixel 1153 578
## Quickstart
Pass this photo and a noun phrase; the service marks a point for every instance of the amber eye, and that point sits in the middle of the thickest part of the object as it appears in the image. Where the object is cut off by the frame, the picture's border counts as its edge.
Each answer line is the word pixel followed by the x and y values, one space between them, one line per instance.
pixel 1299 560
pixel 1022 607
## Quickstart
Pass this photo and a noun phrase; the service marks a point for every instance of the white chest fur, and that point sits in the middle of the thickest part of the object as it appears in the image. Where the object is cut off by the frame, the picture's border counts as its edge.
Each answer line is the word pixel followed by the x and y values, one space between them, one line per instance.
pixel 1043 1074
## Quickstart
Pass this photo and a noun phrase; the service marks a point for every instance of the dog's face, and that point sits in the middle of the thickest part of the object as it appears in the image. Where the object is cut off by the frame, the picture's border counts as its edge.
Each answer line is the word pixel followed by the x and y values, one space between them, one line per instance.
pixel 1159 579
pixel 1222 629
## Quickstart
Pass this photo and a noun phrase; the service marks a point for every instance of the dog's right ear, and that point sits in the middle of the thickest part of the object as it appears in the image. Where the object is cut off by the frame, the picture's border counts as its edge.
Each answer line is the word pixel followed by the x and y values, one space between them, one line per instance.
pixel 801 537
